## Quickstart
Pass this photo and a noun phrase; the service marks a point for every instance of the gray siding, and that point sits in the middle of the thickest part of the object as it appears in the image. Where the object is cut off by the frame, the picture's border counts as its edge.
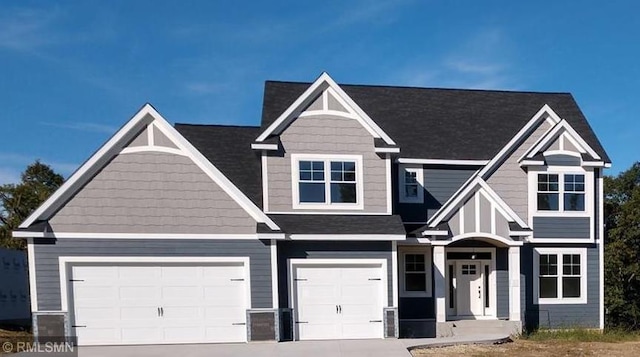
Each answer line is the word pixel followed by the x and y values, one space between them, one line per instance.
pixel 565 315
pixel 502 282
pixel 510 180
pixel 440 184
pixel 561 227
pixel 152 192
pixel 329 250
pixel 48 276
pixel 325 134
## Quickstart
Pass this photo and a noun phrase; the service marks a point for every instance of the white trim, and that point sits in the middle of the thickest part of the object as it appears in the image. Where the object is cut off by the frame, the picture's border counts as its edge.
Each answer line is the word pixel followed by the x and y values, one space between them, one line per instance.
pixel 600 209
pixel 64 263
pixel 514 284
pixel 341 213
pixel 536 276
pixel 546 109
pixel 150 135
pixel 335 113
pixel 33 287
pixel 440 283
pixel 387 150
pixel 162 149
pixel 435 233
pixel 479 236
pixel 559 240
pixel 114 145
pixel 394 272
pixel 419 171
pixel 349 237
pixel 265 181
pixel 328 205
pixel 26 234
pixel 476 202
pixel 259 146
pixel 274 274
pixel 293 263
pixel 415 249
pixel 404 160
pixel 325 82
pixel 555 133
pixel 387 162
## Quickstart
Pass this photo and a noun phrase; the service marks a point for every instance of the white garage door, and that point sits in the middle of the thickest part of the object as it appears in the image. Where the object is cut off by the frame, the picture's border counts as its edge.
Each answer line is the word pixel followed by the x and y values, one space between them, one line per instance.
pixel 339 301
pixel 153 303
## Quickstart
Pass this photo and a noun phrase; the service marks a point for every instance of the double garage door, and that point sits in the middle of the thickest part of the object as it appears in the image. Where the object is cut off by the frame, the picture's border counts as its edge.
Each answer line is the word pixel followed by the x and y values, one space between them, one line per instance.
pixel 149 303
pixel 339 301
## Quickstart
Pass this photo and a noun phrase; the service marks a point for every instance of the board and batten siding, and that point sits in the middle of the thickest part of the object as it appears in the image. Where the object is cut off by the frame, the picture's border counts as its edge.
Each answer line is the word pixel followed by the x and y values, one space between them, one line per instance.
pixel 329 250
pixel 440 184
pixel 510 181
pixel 562 227
pixel 152 192
pixel 48 251
pixel 331 135
pixel 560 315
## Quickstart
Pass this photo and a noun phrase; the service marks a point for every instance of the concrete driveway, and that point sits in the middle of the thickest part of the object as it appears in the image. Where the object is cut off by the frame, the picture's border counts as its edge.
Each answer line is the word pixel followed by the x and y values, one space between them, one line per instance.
pixel 351 348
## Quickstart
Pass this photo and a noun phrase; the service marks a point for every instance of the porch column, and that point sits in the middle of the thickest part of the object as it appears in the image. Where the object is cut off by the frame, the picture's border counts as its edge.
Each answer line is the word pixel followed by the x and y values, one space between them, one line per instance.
pixel 439 283
pixel 514 283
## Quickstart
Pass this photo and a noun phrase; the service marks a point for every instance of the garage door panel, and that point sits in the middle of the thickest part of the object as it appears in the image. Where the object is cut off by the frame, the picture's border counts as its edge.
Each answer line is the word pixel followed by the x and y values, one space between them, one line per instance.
pixel 125 310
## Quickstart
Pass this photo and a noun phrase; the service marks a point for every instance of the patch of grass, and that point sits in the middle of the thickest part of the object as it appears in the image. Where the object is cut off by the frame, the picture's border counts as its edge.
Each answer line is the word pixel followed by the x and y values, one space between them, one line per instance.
pixel 582 335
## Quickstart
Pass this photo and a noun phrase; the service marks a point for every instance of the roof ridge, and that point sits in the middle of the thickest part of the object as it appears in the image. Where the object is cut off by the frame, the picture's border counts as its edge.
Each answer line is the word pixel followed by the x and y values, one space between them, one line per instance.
pixel 428 88
pixel 220 125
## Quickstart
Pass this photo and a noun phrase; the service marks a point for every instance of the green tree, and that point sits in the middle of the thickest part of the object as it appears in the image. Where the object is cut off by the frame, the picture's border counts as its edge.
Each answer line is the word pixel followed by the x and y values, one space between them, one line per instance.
pixel 622 249
pixel 17 201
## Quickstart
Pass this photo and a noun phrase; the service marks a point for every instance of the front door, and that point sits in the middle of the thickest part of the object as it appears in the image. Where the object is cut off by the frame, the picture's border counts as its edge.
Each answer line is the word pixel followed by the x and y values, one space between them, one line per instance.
pixel 470 289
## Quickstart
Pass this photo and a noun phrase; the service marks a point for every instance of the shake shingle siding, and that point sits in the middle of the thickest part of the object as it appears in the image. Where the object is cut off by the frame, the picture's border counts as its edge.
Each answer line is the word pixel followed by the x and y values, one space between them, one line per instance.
pixel 47 266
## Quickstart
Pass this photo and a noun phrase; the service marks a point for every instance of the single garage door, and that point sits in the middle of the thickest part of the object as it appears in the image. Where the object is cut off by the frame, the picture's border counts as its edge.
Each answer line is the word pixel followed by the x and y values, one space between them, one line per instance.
pixel 339 301
pixel 159 303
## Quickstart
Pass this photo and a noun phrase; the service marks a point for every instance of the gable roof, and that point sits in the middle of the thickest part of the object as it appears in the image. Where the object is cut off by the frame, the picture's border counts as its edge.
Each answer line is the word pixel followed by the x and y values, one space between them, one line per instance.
pixel 433 123
pixel 229 149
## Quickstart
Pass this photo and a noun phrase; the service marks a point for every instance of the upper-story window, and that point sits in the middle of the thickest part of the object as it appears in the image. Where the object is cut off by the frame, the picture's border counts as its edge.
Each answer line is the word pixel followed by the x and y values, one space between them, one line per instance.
pixel 327 182
pixel 561 192
pixel 410 184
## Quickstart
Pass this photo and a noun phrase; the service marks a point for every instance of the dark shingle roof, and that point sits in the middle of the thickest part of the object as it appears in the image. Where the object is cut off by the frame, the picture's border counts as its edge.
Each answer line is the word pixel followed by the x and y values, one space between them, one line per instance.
pixel 443 123
pixel 338 224
pixel 229 149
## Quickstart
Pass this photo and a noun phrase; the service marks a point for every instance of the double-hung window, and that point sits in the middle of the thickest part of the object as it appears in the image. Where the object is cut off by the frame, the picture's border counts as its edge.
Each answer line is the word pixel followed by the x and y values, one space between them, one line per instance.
pixel 561 192
pixel 561 275
pixel 334 182
pixel 415 272
pixel 410 184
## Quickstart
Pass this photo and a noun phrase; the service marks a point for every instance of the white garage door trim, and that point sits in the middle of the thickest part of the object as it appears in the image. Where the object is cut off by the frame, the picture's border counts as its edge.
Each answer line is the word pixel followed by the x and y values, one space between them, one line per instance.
pixel 293 263
pixel 66 263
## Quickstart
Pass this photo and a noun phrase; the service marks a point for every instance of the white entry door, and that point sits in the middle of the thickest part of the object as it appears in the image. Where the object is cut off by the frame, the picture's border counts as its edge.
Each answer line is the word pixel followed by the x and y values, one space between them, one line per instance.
pixel 338 301
pixel 152 303
pixel 470 289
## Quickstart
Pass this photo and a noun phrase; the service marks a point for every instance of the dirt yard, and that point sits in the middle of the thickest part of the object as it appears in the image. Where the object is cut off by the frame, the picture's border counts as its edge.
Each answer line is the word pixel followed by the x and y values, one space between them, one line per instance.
pixel 527 348
pixel 8 339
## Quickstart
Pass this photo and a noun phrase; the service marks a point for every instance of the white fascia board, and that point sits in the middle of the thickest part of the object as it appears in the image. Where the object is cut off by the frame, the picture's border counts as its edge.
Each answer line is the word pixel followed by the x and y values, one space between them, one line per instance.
pixel 555 132
pixel 543 140
pixel 92 165
pixel 456 199
pixel 525 163
pixel 72 235
pixel 520 233
pixel 387 150
pixel 324 82
pixel 348 237
pixel 540 115
pixel 404 160
pixel 502 204
pixel 434 233
pixel 256 146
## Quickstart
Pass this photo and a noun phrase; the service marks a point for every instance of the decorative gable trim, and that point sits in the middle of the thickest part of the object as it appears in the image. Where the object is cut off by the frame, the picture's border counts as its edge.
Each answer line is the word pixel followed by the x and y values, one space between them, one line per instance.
pixel 146 116
pixel 476 185
pixel 545 113
pixel 325 83
pixel 564 132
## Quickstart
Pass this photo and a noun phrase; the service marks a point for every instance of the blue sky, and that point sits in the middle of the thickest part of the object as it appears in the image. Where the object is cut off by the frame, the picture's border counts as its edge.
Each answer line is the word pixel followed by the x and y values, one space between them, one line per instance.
pixel 72 72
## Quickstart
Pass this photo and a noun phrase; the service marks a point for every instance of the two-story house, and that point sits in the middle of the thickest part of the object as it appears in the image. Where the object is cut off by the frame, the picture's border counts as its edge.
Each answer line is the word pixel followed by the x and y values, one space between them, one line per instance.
pixel 351 212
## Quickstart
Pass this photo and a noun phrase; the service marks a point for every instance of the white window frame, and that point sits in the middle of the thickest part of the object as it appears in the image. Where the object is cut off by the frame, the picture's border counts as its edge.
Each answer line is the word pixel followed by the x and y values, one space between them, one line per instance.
pixel 583 276
pixel 402 252
pixel 295 181
pixel 560 171
pixel 419 171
